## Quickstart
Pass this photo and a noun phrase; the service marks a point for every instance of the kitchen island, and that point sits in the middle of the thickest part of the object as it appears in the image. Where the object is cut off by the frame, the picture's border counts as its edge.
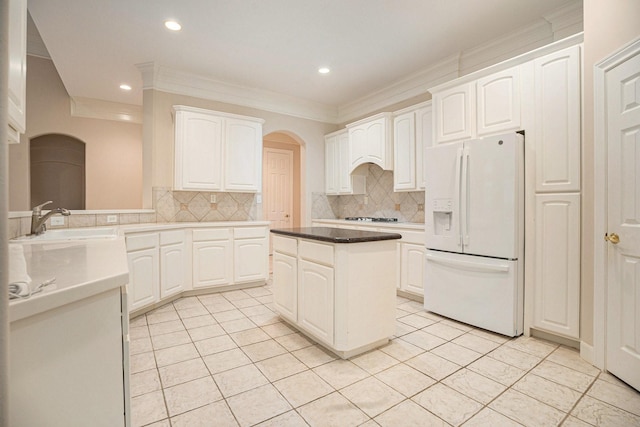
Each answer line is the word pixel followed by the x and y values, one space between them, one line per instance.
pixel 337 286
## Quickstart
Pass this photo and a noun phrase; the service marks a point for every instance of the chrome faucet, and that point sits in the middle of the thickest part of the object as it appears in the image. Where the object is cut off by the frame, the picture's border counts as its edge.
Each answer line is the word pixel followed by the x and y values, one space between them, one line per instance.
pixel 38 221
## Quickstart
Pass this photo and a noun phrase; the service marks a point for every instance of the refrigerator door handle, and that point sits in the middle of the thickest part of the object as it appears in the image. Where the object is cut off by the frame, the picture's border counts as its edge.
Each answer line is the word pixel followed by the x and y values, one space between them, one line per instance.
pixel 469 265
pixel 464 199
pixel 458 186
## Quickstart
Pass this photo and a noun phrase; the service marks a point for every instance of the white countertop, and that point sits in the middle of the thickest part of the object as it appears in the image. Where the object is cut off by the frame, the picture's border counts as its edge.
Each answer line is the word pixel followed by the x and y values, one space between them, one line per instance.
pixel 82 269
pixel 135 228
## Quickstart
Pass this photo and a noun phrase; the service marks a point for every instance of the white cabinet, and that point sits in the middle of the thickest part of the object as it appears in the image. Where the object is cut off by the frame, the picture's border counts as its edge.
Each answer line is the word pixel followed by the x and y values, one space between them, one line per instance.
pixel 143 258
pixel 17 46
pixel 250 254
pixel 498 102
pixel 217 151
pixel 173 263
pixel 412 132
pixel 212 257
pixel 338 177
pixel 285 271
pixel 557 120
pixel 316 299
pixel 557 264
pixel 412 262
pixel 371 141
pixel 454 113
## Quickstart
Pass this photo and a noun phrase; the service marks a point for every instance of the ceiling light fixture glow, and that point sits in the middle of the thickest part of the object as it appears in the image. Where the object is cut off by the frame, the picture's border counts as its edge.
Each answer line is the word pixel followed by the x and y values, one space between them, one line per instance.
pixel 324 70
pixel 125 87
pixel 173 25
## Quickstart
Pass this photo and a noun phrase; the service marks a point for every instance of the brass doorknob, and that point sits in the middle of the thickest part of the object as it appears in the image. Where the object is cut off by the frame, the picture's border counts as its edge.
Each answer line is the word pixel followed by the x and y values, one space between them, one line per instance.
pixel 613 238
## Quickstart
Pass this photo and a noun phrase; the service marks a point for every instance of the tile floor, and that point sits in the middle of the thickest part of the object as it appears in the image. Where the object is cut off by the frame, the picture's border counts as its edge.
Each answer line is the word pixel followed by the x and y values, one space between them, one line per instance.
pixel 227 360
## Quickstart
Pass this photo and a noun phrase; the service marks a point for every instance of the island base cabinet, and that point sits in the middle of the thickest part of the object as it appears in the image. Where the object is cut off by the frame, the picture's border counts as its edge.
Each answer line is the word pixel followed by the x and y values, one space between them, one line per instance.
pixel 285 284
pixel 316 299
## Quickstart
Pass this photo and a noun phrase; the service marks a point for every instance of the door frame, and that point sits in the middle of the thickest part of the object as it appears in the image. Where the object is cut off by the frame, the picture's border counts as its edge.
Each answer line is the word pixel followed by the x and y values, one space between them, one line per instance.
pixel 601 143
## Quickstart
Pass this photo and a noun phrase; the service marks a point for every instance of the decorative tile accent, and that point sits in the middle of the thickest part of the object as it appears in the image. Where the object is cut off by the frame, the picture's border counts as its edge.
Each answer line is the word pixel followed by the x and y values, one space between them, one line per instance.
pixel 196 206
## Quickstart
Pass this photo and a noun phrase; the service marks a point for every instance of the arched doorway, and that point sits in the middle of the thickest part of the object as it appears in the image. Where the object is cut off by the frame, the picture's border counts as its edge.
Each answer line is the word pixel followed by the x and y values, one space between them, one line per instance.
pixel 57 171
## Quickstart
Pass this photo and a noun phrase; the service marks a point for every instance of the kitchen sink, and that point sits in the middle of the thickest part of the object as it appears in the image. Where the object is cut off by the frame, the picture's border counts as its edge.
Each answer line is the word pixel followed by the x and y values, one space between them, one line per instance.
pixel 72 234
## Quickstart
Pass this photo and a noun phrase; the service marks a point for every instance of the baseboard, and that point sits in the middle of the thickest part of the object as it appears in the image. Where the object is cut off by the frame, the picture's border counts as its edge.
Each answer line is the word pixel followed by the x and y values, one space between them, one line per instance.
pixel 586 352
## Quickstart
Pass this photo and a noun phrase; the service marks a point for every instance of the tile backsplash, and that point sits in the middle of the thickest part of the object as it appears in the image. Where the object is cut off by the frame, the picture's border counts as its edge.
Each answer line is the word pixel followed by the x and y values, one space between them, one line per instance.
pixel 196 206
pixel 379 201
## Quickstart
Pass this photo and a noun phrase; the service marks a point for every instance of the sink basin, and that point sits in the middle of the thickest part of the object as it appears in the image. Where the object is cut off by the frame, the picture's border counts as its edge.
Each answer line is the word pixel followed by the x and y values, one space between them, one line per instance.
pixel 73 234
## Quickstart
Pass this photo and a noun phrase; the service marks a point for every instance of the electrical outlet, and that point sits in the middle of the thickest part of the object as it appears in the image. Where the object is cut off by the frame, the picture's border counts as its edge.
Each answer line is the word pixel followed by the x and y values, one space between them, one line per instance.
pixel 112 219
pixel 57 221
pixel 366 200
pixel 214 198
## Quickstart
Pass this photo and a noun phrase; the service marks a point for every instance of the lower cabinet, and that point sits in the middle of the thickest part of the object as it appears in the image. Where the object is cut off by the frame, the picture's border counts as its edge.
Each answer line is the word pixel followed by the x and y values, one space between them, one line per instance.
pixel 251 254
pixel 143 259
pixel 316 299
pixel 412 267
pixel 285 297
pixel 212 257
pixel 173 263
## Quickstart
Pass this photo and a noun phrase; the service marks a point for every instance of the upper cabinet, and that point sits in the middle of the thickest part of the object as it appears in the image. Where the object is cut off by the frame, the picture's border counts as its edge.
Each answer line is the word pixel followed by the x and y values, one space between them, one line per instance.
pixel 412 132
pixel 17 89
pixel 557 120
pixel 454 110
pixel 217 151
pixel 371 141
pixel 338 179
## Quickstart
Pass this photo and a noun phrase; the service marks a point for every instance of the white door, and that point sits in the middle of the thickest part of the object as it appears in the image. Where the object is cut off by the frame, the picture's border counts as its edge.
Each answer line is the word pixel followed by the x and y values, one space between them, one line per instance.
pixel 623 281
pixel 278 188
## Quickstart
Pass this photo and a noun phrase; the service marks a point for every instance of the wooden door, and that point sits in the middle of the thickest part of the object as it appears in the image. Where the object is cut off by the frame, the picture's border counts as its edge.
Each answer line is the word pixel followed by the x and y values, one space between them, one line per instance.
pixel 278 188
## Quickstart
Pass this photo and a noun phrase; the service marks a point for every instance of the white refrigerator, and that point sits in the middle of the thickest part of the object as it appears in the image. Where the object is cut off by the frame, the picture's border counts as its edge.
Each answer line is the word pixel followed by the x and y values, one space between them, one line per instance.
pixel 474 223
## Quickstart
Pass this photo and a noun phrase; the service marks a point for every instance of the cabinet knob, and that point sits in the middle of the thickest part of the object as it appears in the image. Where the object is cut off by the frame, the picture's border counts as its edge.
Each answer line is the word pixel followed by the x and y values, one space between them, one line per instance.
pixel 613 238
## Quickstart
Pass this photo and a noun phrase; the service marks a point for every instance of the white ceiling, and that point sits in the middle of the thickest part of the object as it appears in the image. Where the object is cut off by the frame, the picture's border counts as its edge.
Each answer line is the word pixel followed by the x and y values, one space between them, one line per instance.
pixel 272 45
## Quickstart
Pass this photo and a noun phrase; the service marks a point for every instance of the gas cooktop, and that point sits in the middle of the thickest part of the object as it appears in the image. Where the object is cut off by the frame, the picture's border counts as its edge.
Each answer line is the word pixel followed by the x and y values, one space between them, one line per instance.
pixel 370 219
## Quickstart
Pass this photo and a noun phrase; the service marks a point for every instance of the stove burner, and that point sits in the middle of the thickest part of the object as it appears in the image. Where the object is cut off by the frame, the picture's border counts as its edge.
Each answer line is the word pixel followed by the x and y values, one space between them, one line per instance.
pixel 370 219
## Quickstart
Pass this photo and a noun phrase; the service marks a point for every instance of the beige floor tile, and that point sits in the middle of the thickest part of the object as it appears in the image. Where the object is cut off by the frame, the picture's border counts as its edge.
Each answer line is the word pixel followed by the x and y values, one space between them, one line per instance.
pixel 453 407
pixel 500 339
pixel 163 423
pixel 257 405
pixel 138 321
pixel 476 343
pixel 458 325
pixel 278 329
pixel 176 354
pixel 475 386
pixel 599 413
pixel 141 362
pixel 606 376
pixel 281 366
pixel 424 340
pixel 532 345
pixel 416 321
pixel 225 360
pixel 571 421
pixel 313 356
pixel 247 302
pixel 489 418
pixel 239 380
pixel 340 373
pixel 288 419
pixel 256 310
pixel 250 336
pixel 141 345
pixel 496 370
pixel 267 299
pixel 211 298
pixel 294 341
pixel 526 410
pixel 401 350
pixel 238 325
pixel 258 291
pixel 139 332
pixel 194 394
pixel 162 316
pixel 456 353
pixel 405 379
pixel 374 361
pixel 370 423
pixel 563 375
pixel 516 358
pixel 553 394
pixel 570 358
pixel 170 340
pixel 144 382
pixel 199 321
pixel 227 316
pixel 303 388
pixel 219 306
pixel 372 396
pixel 409 413
pixel 235 295
pixel 403 329
pixel 205 332
pixel 187 302
pixel 411 306
pixel 215 345
pixel 432 365
pixel 444 331
pixel 622 397
pixel 148 408
pixel 182 372
pixel 192 312
pixel 214 414
pixel 332 410
pixel 265 319
pixel 402 313
pixel 166 327
pixel 263 350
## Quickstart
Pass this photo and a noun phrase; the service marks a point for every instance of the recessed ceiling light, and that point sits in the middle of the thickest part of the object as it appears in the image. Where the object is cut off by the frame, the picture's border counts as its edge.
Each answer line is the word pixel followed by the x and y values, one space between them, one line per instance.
pixel 125 87
pixel 172 25
pixel 324 70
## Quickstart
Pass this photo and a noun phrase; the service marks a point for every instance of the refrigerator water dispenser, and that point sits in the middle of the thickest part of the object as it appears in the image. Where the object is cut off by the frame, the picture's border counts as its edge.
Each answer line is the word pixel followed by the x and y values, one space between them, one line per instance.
pixel 442 211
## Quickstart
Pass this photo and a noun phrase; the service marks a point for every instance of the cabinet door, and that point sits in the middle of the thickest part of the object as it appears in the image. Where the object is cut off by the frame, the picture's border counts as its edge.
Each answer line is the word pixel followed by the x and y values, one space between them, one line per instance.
pixel 251 259
pixel 172 269
pixel 17 69
pixel 212 263
pixel 316 299
pixel 331 165
pixel 143 278
pixel 345 179
pixel 412 268
pixel 557 121
pixel 454 113
pixel 357 147
pixel 243 156
pixel 424 139
pixel 285 285
pixel 498 102
pixel 404 152
pixel 198 151
pixel 557 271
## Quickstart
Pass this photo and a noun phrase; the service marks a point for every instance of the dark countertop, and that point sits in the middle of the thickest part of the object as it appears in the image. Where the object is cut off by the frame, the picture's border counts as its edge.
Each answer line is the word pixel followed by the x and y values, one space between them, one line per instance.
pixel 336 235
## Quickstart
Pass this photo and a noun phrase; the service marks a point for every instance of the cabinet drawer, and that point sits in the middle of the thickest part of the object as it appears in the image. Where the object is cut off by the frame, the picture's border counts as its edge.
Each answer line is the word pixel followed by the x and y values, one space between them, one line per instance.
pixel 285 245
pixel 211 234
pixel 317 252
pixel 249 232
pixel 141 241
pixel 415 237
pixel 171 237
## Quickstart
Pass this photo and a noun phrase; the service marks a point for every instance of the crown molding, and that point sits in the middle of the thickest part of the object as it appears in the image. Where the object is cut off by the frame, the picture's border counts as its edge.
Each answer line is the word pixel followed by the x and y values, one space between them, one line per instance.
pixel 567 20
pixel 92 108
pixel 170 80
